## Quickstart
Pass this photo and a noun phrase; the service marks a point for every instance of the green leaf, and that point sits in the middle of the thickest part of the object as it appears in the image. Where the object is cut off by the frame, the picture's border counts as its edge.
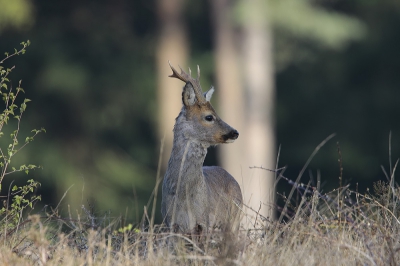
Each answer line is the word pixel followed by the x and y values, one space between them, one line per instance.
pixel 17 199
pixel 23 107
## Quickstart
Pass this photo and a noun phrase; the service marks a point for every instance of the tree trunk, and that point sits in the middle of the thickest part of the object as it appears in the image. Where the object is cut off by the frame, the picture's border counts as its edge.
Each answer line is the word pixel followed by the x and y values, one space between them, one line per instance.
pixel 246 102
pixel 173 46
pixel 260 139
pixel 229 86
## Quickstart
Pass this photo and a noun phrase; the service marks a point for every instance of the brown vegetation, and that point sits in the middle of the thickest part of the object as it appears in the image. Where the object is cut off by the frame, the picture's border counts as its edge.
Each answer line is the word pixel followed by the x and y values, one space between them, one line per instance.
pixel 342 227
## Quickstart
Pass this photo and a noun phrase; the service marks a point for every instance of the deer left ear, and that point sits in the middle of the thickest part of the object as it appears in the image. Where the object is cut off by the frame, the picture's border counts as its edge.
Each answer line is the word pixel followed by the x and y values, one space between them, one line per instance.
pixel 208 94
pixel 188 95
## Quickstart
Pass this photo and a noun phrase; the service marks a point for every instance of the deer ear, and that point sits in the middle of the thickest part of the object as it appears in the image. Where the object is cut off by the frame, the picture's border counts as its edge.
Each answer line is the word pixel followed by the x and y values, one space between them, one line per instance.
pixel 208 94
pixel 188 95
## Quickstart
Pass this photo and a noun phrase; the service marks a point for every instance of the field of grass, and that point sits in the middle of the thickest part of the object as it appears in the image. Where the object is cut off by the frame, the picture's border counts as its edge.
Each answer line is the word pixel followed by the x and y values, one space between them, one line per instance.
pixel 343 227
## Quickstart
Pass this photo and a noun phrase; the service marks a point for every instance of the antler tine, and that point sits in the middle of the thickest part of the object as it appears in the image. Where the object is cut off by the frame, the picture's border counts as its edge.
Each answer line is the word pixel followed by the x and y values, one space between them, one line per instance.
pixel 185 77
pixel 175 73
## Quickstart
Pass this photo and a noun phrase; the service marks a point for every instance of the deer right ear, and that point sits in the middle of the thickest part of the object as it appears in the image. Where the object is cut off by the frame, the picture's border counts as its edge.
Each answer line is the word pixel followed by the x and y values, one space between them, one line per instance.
pixel 208 94
pixel 188 95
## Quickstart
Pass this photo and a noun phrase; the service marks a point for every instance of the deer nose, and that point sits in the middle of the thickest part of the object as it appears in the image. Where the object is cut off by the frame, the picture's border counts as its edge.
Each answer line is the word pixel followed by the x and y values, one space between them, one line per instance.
pixel 234 134
pixel 231 136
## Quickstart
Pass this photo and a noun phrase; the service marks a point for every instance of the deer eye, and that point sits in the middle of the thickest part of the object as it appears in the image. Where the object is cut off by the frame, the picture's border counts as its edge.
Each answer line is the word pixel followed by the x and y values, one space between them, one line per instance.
pixel 209 118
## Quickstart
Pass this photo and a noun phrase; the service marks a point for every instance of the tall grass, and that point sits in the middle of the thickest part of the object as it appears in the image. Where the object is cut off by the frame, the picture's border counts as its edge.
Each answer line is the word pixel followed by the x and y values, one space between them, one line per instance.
pixel 343 227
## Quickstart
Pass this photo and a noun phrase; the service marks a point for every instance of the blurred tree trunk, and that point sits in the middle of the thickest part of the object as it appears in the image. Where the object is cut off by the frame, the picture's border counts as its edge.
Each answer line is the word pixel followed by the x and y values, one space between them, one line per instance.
pixel 229 86
pixel 246 97
pixel 173 46
pixel 259 82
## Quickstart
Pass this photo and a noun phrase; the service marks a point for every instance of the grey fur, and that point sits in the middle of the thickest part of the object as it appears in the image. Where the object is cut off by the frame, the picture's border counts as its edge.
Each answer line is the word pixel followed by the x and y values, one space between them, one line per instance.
pixel 196 196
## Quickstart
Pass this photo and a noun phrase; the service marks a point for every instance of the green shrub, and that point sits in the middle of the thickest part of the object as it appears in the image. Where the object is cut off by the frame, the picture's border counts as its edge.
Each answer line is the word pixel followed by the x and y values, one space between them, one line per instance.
pixel 20 197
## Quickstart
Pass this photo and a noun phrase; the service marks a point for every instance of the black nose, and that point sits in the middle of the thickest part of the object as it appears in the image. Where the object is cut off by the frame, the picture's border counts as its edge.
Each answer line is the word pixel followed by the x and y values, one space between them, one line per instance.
pixel 234 134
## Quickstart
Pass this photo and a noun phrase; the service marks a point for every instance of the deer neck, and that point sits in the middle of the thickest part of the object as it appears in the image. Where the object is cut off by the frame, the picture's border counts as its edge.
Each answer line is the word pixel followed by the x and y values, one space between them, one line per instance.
pixel 186 162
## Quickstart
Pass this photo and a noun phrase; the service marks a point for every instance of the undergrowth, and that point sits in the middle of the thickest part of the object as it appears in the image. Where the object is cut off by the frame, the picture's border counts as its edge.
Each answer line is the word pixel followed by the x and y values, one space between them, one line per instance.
pixel 362 230
pixel 342 227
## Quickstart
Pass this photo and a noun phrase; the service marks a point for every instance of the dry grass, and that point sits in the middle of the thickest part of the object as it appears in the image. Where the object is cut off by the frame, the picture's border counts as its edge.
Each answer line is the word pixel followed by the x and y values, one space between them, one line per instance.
pixel 342 227
pixel 339 228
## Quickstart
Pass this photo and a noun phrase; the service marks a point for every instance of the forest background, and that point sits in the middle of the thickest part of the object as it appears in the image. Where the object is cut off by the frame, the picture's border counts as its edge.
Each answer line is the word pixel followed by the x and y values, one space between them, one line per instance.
pixel 93 77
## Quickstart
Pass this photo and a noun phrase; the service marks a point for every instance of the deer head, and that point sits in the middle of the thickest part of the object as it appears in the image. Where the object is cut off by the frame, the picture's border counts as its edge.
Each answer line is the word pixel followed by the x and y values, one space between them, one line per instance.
pixel 199 117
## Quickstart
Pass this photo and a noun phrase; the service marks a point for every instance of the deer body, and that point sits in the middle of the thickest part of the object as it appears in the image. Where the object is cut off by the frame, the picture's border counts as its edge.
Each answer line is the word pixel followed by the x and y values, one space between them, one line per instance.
pixel 197 197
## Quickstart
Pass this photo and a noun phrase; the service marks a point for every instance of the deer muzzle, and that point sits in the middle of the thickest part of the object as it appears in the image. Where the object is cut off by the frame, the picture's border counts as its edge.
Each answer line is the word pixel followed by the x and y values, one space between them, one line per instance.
pixel 231 136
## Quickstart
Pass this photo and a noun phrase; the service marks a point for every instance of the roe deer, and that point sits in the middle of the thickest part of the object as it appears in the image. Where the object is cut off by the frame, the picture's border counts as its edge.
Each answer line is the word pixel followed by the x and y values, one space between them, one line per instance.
pixel 197 197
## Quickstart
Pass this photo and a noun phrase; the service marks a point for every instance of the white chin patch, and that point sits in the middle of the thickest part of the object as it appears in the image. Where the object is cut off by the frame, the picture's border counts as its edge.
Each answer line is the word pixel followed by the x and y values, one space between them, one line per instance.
pixel 230 141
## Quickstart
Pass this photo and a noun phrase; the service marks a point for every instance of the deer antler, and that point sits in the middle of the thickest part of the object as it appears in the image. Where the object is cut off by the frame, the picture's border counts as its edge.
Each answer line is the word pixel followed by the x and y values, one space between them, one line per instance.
pixel 185 77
